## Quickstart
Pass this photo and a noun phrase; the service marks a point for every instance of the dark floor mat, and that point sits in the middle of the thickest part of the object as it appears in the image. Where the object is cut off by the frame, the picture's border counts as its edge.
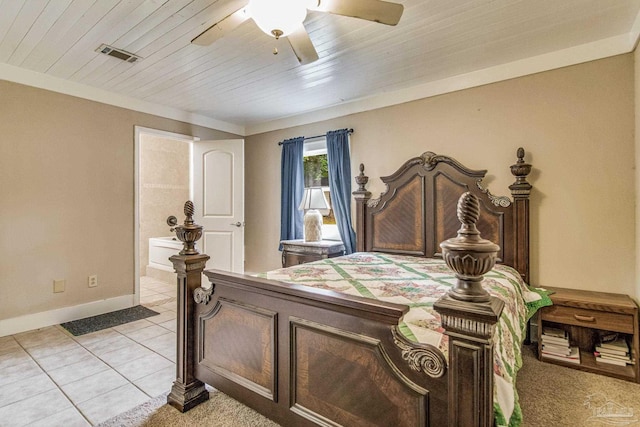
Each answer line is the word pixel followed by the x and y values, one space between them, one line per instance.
pixel 108 320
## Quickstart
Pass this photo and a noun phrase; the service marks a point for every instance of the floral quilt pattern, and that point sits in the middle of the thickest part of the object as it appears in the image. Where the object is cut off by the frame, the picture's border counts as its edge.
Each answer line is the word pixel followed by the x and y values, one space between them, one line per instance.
pixel 418 283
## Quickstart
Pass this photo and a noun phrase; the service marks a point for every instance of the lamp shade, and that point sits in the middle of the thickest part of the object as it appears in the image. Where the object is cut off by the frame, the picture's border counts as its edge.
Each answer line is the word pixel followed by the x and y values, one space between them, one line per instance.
pixel 314 199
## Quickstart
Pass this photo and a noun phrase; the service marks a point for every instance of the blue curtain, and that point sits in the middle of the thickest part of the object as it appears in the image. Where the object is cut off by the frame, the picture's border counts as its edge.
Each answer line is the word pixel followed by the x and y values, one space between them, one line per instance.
pixel 292 189
pixel 339 161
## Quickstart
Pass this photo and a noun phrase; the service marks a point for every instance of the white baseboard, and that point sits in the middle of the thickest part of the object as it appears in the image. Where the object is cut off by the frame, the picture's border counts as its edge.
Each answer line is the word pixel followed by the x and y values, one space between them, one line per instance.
pixel 61 315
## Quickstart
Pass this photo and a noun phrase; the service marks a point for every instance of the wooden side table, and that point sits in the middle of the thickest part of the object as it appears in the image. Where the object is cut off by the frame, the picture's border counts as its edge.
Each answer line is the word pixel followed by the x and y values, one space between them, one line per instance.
pixel 296 252
pixel 584 314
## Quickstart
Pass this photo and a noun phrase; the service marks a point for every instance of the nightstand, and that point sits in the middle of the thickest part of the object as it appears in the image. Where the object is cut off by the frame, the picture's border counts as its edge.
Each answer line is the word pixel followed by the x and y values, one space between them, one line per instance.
pixel 296 252
pixel 585 315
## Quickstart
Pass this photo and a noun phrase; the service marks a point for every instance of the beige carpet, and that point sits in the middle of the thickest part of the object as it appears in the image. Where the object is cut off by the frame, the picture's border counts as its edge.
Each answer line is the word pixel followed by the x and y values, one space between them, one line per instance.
pixel 550 396
pixel 219 411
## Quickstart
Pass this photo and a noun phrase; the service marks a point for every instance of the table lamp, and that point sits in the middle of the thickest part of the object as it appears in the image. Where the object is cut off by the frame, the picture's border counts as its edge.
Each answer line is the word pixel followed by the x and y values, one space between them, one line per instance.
pixel 313 200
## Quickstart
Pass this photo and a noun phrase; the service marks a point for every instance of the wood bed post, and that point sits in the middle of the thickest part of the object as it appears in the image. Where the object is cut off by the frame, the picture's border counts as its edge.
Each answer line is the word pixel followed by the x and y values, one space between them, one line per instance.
pixel 469 315
pixel 187 391
pixel 520 191
pixel 362 196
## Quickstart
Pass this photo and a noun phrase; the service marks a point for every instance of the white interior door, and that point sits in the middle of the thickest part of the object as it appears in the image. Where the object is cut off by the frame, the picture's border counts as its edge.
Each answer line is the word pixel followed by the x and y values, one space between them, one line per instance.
pixel 217 183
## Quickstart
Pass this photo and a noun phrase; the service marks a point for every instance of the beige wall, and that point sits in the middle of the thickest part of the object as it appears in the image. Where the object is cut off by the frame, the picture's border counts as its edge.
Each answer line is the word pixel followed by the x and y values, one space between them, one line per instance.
pixel 637 160
pixel 67 209
pixel 164 187
pixel 577 126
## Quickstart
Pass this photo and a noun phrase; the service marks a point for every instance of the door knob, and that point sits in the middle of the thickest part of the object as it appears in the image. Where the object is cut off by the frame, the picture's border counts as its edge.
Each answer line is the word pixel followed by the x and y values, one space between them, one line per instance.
pixel 237 224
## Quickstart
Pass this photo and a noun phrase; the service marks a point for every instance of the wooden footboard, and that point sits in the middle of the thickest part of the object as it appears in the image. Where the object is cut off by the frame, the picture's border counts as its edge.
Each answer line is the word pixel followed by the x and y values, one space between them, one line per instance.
pixel 305 356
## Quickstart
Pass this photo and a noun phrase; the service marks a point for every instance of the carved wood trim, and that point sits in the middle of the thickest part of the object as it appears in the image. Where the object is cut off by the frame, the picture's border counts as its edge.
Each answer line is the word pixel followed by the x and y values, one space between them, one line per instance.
pixel 475 320
pixel 202 295
pixel 502 201
pixel 420 357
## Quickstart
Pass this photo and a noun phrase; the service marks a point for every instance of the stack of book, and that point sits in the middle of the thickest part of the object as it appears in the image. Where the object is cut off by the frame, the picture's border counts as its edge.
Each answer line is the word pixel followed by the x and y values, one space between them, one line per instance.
pixel 556 345
pixel 614 350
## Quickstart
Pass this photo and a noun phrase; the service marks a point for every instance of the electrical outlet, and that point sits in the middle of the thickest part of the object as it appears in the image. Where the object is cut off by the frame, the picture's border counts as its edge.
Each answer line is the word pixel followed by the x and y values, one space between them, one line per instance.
pixel 93 281
pixel 58 286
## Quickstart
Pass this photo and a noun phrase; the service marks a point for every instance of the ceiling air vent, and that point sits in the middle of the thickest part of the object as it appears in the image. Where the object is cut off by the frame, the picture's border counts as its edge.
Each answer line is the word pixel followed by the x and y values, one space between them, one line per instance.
pixel 118 53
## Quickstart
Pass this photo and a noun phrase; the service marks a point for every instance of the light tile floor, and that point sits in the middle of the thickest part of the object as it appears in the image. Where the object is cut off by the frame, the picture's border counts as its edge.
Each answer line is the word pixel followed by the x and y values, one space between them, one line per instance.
pixel 50 378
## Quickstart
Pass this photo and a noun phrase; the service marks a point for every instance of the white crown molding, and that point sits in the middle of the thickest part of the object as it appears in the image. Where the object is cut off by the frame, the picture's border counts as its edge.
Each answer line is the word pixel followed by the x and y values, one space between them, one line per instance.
pixel 43 81
pixel 61 315
pixel 634 33
pixel 558 59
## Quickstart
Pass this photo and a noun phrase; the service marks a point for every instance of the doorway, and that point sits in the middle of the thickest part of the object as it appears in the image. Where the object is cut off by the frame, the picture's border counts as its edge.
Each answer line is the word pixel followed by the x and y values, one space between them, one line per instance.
pixel 162 185
pixel 169 170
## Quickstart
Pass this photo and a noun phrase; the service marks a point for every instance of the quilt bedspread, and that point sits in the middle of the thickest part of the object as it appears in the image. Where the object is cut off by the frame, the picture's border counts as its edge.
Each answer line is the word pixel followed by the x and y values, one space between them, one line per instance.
pixel 418 283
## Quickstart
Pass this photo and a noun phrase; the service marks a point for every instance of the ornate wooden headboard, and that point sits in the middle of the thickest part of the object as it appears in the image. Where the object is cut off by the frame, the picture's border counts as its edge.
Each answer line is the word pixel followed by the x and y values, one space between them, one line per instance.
pixel 418 210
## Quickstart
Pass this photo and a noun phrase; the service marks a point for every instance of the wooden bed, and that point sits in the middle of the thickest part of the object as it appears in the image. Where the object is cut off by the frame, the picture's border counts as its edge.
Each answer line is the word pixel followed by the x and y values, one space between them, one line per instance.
pixel 307 357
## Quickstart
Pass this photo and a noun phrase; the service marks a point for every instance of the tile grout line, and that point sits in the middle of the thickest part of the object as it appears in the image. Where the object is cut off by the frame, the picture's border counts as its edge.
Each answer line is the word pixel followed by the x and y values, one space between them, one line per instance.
pixel 57 387
pixel 139 343
pixel 113 368
pixel 135 385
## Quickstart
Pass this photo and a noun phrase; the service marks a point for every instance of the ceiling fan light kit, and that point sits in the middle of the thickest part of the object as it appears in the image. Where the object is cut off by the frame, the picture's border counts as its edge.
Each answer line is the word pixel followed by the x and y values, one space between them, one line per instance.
pixel 285 18
pixel 277 18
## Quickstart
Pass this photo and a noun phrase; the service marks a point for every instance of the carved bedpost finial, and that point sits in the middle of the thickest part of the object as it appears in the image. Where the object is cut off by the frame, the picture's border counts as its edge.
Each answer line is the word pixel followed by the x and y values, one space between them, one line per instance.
pixel 188 212
pixel 521 188
pixel 469 255
pixel 190 232
pixel 468 214
pixel 362 179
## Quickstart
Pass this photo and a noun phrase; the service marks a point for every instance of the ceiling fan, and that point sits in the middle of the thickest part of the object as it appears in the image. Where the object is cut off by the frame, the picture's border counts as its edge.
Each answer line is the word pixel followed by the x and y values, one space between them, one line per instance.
pixel 284 18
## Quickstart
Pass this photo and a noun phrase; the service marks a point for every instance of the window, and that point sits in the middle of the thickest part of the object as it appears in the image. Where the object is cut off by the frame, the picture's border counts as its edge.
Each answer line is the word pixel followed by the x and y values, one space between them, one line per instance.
pixel 316 174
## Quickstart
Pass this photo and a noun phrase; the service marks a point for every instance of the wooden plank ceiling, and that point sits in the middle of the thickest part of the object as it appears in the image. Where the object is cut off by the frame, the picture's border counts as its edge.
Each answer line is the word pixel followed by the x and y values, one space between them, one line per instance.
pixel 239 80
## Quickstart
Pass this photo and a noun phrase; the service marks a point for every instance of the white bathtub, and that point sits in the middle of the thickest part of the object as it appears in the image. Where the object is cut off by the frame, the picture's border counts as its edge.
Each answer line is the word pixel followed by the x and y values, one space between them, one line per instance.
pixel 160 249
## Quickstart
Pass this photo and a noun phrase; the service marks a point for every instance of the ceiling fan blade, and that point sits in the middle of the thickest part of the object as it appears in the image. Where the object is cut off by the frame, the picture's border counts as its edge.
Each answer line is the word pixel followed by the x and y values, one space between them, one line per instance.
pixel 372 10
pixel 302 46
pixel 221 28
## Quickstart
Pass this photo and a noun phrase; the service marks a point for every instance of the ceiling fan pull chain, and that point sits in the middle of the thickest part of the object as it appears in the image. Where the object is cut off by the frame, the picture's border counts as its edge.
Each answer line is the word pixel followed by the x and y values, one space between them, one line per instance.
pixel 276 34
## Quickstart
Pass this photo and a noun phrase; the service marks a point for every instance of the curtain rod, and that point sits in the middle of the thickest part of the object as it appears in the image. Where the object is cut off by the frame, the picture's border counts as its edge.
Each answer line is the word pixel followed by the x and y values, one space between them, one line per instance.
pixel 349 131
